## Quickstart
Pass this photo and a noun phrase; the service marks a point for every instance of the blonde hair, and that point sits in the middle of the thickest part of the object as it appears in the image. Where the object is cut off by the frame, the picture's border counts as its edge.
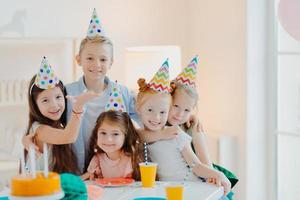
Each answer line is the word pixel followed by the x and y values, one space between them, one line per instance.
pixel 192 92
pixel 145 92
pixel 97 40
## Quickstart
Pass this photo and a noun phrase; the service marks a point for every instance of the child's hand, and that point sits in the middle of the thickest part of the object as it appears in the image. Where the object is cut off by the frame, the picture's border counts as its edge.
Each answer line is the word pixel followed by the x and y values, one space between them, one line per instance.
pixel 92 177
pixel 28 140
pixel 170 132
pixel 222 180
pixel 195 123
pixel 80 100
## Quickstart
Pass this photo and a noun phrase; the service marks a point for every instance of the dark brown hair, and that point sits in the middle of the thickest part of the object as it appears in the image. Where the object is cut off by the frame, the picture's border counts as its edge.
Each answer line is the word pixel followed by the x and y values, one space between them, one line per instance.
pixel 63 157
pixel 132 143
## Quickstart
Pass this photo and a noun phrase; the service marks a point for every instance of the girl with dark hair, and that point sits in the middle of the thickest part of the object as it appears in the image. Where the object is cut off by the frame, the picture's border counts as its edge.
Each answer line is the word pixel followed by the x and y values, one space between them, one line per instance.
pixel 115 148
pixel 47 118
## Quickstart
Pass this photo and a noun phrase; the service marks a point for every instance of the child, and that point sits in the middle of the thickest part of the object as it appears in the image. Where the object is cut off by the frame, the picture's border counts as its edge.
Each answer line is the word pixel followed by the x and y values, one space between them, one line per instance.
pixel 185 98
pixel 172 156
pixel 47 118
pixel 114 145
pixel 95 57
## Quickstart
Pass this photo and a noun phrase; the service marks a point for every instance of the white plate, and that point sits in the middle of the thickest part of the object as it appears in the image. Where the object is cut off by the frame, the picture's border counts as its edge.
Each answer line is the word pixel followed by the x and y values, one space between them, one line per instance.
pixel 58 195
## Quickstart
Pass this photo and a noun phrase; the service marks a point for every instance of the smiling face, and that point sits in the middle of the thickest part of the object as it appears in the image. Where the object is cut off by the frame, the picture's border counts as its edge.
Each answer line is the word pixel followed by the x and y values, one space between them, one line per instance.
pixel 51 103
pixel 95 59
pixel 182 107
pixel 110 137
pixel 153 110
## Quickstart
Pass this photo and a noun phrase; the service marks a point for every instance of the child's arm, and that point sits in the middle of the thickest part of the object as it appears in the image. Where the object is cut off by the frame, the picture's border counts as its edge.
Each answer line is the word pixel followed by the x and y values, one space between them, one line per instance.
pixel 198 139
pixel 93 170
pixel 28 140
pixel 50 135
pixel 85 176
pixel 204 171
pixel 153 136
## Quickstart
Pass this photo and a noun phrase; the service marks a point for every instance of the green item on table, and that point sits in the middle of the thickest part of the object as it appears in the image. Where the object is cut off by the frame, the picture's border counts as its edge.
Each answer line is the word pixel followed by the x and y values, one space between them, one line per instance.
pixel 232 178
pixel 73 187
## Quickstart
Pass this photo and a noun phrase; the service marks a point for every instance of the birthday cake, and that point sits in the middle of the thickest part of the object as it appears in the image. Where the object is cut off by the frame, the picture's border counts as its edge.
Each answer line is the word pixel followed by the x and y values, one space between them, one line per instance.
pixel 25 185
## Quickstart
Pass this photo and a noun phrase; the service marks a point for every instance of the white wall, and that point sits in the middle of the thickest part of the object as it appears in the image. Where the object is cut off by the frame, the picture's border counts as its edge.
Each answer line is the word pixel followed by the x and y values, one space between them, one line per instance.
pixel 218 35
pixel 127 23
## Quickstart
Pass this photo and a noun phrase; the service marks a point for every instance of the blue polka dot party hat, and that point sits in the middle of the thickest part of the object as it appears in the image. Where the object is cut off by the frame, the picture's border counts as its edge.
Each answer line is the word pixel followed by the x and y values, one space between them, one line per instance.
pixel 95 28
pixel 46 78
pixel 116 102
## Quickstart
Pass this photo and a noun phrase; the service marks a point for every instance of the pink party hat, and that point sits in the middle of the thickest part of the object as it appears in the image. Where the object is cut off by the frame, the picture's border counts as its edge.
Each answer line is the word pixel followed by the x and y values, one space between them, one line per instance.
pixel 45 78
pixel 160 82
pixel 116 102
pixel 95 28
pixel 188 75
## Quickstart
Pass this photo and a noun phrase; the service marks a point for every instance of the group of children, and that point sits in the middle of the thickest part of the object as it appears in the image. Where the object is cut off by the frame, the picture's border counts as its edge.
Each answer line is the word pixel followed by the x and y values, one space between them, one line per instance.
pixel 90 120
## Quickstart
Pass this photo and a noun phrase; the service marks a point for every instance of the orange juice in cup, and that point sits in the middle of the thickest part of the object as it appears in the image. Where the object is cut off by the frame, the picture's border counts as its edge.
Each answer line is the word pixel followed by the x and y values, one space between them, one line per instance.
pixel 174 192
pixel 148 173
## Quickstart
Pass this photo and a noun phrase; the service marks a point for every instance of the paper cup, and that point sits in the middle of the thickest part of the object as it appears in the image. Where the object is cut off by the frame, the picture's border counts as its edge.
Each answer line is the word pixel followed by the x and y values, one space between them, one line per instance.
pixel 148 173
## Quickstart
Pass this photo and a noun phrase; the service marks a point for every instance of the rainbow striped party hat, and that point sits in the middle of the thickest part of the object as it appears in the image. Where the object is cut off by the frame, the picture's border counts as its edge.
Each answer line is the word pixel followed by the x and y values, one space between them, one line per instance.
pixel 160 82
pixel 188 76
pixel 46 78
pixel 95 28
pixel 115 102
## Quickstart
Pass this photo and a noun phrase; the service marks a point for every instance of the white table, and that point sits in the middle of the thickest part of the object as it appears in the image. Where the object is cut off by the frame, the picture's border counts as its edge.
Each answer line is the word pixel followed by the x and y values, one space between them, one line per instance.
pixel 192 191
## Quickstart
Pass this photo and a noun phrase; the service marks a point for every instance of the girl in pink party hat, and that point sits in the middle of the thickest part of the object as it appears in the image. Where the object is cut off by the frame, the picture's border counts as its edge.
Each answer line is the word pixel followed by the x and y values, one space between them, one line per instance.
pixel 175 158
pixel 47 118
pixel 115 148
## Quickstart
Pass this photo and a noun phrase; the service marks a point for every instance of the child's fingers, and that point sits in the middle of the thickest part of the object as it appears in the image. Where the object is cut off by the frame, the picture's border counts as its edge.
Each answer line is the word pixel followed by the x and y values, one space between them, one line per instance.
pixel 27 141
pixel 84 97
pixel 198 127
pixel 226 188
pixel 71 98
pixel 188 124
pixel 218 182
pixel 92 176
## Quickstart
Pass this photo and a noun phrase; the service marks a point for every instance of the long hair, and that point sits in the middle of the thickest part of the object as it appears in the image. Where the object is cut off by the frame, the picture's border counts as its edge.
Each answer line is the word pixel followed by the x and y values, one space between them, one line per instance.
pixel 192 92
pixel 63 157
pixel 132 146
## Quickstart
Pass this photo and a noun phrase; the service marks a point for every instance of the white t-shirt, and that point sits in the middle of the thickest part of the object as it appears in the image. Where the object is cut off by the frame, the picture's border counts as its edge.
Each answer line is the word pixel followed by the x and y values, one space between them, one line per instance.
pixel 171 164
